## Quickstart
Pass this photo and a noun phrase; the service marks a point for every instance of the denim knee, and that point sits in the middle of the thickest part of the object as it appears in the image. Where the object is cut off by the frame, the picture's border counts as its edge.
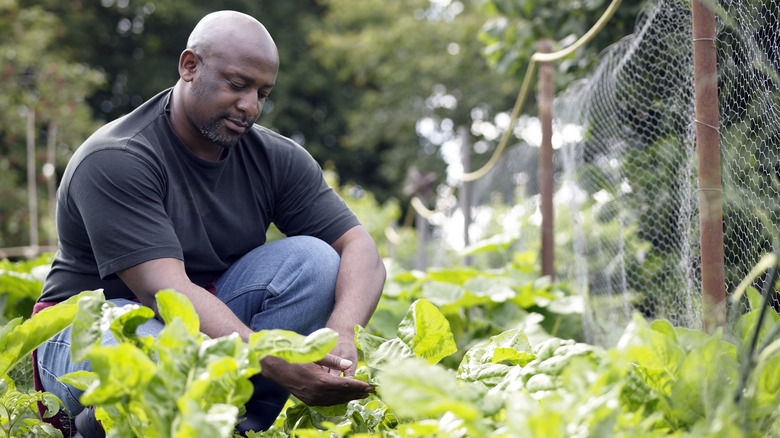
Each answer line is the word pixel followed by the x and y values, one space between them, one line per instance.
pixel 288 284
pixel 320 260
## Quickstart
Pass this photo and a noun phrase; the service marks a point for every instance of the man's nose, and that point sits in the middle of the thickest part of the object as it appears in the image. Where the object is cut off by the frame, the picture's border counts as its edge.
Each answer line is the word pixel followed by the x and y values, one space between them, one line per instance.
pixel 249 104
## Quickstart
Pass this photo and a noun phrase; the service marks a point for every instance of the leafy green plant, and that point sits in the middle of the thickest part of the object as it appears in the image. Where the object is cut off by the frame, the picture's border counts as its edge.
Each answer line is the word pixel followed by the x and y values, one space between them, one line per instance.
pixel 658 381
pixel 20 286
pixel 483 303
pixel 509 380
pixel 18 338
pixel 19 412
pixel 180 384
pixel 423 333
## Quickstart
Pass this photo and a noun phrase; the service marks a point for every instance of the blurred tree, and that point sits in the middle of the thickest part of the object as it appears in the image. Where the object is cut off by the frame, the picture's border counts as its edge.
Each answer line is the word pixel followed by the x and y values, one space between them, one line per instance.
pixel 514 28
pixel 40 84
pixel 367 129
pixel 371 87
pixel 420 76
pixel 137 43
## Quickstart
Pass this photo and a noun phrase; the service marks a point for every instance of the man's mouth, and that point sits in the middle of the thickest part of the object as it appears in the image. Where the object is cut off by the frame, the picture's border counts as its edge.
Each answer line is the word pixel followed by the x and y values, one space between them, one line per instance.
pixel 237 125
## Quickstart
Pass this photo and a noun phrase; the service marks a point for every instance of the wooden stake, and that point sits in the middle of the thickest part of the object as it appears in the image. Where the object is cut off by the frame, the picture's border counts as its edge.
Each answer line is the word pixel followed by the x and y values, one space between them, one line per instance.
pixel 32 198
pixel 705 77
pixel 546 95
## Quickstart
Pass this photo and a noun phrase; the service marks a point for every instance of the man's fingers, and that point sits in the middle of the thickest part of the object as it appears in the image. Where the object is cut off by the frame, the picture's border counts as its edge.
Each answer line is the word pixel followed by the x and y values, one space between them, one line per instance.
pixel 335 362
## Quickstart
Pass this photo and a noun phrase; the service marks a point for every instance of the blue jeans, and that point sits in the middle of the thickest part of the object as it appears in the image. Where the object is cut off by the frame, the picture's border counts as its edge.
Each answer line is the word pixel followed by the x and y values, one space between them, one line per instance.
pixel 285 284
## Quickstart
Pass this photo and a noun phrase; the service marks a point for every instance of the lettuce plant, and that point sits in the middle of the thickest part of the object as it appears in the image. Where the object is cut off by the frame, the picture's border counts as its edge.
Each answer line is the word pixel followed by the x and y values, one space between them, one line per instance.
pixel 182 383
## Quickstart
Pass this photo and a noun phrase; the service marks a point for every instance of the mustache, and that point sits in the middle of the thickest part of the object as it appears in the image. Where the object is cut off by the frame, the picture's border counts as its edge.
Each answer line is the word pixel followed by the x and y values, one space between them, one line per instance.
pixel 239 119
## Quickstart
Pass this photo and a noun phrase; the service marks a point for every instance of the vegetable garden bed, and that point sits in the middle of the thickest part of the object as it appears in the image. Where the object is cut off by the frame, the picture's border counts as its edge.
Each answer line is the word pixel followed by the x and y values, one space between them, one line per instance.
pixel 458 353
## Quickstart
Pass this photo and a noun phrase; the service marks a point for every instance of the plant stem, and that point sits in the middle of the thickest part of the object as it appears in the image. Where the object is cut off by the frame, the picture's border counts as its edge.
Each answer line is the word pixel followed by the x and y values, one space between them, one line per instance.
pixel 769 337
pixel 750 357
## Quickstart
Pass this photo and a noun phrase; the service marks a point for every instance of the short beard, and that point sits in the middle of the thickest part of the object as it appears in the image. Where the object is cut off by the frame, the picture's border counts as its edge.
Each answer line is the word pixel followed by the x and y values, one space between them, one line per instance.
pixel 212 132
pixel 211 129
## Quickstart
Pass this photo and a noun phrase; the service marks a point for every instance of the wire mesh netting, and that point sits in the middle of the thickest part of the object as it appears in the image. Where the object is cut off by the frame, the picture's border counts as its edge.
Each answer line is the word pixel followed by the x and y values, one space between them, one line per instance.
pixel 630 168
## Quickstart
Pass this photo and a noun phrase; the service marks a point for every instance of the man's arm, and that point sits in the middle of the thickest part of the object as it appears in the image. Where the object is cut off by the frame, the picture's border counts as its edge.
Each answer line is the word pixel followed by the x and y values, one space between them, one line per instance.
pixel 359 286
pixel 309 382
pixel 147 278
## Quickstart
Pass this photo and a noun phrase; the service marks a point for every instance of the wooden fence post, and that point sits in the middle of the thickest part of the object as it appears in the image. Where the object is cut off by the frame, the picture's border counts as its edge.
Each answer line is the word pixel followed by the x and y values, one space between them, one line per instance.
pixel 465 199
pixel 705 77
pixel 546 95
pixel 32 195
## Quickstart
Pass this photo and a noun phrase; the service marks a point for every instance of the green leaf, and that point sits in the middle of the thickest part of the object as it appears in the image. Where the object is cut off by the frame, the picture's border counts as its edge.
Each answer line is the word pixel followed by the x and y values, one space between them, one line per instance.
pixel 687 338
pixel 418 390
pixel 496 289
pixel 5 385
pixel 708 373
pixel 172 304
pixel 96 316
pixel 88 326
pixel 363 416
pixel 193 421
pixel 177 351
pixel 497 243
pixel 80 379
pixel 6 330
pixel 636 394
pixel 512 356
pixel 563 357
pixel 367 342
pixel 755 298
pixel 482 362
pixel 126 325
pixel 293 347
pixel 380 353
pixel 441 293
pixel 453 276
pixel 23 338
pixel 222 371
pixel 746 325
pixel 769 377
pixel 657 354
pixel 123 370
pixel 51 403
pixel 427 332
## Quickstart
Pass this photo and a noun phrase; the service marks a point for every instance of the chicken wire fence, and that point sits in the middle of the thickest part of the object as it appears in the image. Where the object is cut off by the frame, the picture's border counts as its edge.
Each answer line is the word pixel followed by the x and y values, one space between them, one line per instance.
pixel 629 167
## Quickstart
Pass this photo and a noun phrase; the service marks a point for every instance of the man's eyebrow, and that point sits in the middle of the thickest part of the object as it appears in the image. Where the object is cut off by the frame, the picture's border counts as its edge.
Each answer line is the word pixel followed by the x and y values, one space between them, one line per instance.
pixel 238 75
pixel 246 78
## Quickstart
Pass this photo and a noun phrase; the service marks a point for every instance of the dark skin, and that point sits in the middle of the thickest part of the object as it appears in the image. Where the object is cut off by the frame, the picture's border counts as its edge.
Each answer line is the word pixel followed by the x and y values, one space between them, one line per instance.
pixel 226 73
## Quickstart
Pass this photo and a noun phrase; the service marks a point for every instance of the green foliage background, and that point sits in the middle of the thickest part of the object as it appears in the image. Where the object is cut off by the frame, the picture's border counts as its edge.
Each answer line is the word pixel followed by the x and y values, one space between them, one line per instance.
pixel 357 77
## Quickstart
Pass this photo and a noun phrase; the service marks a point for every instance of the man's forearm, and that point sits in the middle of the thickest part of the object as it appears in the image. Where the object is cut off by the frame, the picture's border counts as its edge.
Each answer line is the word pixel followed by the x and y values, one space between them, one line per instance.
pixel 216 318
pixel 146 279
pixel 359 284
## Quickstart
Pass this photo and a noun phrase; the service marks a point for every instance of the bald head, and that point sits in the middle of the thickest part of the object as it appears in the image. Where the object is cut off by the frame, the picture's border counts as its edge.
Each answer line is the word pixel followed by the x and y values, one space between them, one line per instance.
pixel 226 73
pixel 226 30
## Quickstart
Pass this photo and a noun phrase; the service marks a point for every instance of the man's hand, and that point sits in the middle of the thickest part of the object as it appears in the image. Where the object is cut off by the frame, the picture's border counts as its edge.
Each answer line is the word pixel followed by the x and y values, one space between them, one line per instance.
pixel 345 349
pixel 358 288
pixel 313 384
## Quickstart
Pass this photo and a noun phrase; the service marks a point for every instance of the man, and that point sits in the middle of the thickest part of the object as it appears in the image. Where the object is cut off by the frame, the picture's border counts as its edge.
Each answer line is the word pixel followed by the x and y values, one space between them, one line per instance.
pixel 179 194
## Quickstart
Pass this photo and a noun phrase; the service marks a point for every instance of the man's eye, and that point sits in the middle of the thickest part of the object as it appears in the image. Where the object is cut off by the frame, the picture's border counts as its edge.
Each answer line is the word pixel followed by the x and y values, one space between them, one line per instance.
pixel 236 86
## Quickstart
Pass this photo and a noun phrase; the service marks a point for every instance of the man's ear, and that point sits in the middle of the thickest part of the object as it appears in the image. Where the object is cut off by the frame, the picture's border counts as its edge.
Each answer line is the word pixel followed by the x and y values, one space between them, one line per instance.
pixel 188 64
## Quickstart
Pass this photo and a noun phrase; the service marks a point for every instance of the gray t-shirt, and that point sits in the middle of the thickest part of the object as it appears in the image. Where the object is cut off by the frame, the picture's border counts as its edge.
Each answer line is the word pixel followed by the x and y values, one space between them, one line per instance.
pixel 133 192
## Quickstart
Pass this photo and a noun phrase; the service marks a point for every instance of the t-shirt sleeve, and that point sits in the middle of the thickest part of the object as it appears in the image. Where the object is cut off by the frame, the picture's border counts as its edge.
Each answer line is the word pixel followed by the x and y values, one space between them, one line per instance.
pixel 306 204
pixel 119 196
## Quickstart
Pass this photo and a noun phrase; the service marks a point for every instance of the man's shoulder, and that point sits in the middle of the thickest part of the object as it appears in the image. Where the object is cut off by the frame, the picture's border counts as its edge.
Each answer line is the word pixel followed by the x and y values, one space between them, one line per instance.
pixel 133 138
pixel 274 145
pixel 134 128
pixel 271 139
